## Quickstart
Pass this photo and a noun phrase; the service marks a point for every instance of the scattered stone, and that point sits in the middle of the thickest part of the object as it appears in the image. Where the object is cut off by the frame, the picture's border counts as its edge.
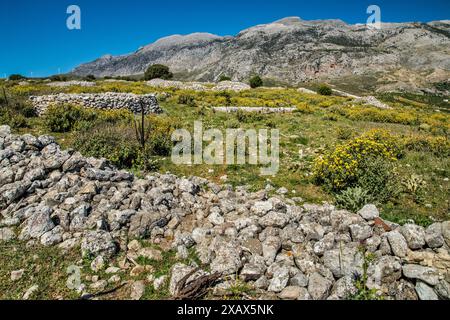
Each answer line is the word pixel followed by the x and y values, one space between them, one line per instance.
pixel 17 274
pixel 97 264
pixel 30 292
pixel 150 253
pixel 7 234
pixel 137 290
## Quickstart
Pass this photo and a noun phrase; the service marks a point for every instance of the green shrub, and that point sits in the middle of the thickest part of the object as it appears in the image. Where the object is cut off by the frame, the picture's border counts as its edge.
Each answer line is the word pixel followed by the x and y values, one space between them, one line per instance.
pixel 63 118
pixel 58 77
pixel 89 77
pixel 118 144
pixel 353 199
pixel 186 99
pixel 224 78
pixel 256 82
pixel 377 176
pixel 158 71
pixel 67 117
pixel 324 90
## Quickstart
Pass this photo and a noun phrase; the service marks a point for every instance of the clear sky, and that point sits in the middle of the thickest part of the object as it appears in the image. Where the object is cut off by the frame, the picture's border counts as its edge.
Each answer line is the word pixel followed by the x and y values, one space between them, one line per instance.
pixel 34 37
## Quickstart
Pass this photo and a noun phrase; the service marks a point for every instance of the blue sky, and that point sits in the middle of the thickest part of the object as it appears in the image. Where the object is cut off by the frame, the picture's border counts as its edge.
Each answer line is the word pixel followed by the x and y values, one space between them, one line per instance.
pixel 34 37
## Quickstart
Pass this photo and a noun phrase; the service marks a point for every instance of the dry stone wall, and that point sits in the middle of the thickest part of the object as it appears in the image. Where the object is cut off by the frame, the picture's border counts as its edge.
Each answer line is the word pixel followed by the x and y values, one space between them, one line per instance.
pixel 109 100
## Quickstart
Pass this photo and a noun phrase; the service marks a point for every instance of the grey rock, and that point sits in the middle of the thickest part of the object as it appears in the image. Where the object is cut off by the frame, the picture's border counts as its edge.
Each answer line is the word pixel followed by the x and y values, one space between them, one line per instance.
pixel 443 290
pixel 398 243
pixel 98 243
pixel 274 219
pixel 425 274
pixel 360 232
pixel 299 280
pixel 37 224
pixel 137 290
pixel 425 292
pixel 270 248
pixel 319 286
pixel 290 293
pixel 279 280
pixel 7 234
pixel 446 232
pixel 369 212
pixel 343 261
pixel 433 236
pixel 414 235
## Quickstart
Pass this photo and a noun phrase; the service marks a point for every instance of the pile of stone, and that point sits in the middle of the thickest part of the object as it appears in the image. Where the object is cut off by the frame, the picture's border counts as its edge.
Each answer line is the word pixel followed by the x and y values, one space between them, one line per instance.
pixel 64 84
pixel 108 100
pixel 231 86
pixel 160 83
pixel 199 86
pixel 52 197
pixel 372 101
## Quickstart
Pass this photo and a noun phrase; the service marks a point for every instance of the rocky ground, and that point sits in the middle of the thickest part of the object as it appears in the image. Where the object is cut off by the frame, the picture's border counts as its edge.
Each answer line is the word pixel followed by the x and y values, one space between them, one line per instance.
pixel 52 197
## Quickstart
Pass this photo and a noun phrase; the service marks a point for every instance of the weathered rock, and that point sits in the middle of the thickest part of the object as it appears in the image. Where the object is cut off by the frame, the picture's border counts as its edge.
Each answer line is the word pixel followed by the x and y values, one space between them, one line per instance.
pixel 425 292
pixel 446 232
pixel 414 235
pixel 443 290
pixel 137 290
pixel 7 234
pixel 425 274
pixel 369 212
pixel 38 224
pixel 17 274
pixel 98 243
pixel 344 261
pixel 398 244
pixel 360 232
pixel 227 256
pixel 279 280
pixel 319 286
pixel 150 253
pixel 433 236
pixel 384 270
pixel 290 293
pixel 97 264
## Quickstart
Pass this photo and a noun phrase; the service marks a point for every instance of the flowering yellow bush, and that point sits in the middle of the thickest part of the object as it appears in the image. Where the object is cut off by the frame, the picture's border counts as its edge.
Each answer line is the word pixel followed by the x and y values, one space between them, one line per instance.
pixel 340 168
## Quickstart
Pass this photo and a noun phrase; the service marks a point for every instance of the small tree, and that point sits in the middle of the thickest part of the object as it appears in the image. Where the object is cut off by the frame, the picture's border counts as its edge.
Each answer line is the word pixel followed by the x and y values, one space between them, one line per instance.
pixel 324 90
pixel 224 78
pixel 16 77
pixel 89 77
pixel 256 82
pixel 158 71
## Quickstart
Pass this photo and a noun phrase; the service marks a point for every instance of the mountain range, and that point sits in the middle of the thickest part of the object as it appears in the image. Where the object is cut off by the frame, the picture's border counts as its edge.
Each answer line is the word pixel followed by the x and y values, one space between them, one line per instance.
pixel 398 56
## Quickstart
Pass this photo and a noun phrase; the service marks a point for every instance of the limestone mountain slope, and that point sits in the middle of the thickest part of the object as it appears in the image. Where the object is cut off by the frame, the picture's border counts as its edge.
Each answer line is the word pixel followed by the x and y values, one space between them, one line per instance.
pixel 294 50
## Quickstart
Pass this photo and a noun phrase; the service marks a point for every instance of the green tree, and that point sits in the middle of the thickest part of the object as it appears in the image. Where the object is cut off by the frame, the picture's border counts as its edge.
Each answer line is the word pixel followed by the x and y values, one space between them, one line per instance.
pixel 158 71
pixel 256 82
pixel 16 77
